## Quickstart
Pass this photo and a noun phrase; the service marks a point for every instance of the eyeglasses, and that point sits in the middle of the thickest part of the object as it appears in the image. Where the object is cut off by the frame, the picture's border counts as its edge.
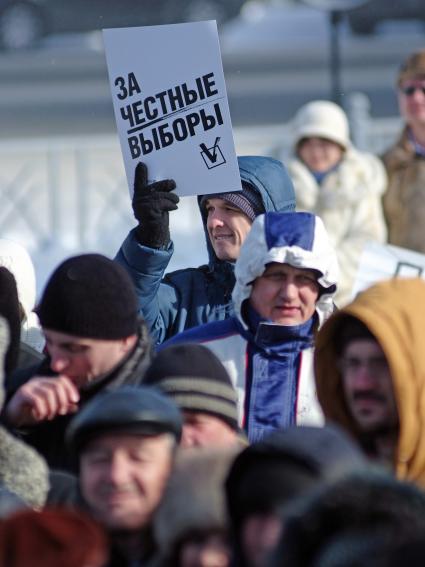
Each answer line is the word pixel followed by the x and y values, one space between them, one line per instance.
pixel 374 365
pixel 411 89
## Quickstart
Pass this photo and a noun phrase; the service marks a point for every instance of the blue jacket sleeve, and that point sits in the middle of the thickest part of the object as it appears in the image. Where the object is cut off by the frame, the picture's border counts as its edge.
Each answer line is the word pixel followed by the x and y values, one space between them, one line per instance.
pixel 158 302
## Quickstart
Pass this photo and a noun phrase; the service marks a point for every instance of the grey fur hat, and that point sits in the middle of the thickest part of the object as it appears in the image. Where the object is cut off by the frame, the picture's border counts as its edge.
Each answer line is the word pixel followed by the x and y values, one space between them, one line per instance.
pixel 22 470
pixel 194 499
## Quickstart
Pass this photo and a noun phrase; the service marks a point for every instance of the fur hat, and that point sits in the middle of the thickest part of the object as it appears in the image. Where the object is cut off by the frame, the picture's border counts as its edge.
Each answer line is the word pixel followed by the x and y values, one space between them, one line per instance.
pixel 321 119
pixel 90 296
pixel 367 508
pixel 196 379
pixel 286 464
pixel 413 67
pixel 194 499
pixel 23 471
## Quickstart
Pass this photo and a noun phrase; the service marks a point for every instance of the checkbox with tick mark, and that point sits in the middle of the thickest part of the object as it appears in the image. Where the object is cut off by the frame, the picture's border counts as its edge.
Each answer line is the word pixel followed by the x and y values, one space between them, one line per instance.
pixel 212 156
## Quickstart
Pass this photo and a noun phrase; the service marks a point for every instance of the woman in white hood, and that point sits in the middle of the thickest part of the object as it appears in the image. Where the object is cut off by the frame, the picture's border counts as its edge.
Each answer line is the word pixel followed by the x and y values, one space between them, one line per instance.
pixel 335 181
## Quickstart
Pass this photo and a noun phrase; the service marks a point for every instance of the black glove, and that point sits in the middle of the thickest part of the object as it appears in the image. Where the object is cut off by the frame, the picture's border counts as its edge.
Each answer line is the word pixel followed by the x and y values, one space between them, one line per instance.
pixel 151 205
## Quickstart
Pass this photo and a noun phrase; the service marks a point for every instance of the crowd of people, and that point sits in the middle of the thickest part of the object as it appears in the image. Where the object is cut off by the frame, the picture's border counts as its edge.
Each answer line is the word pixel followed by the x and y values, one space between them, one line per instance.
pixel 246 413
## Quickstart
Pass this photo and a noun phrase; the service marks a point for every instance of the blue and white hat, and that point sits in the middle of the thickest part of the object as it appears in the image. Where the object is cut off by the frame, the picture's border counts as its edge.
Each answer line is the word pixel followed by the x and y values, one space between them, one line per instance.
pixel 297 239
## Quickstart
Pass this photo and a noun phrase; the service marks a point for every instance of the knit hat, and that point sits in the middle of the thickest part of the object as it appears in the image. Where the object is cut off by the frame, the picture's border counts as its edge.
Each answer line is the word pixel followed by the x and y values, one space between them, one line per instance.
pixel 197 381
pixel 413 67
pixel 90 296
pixel 51 537
pixel 321 119
pixel 248 200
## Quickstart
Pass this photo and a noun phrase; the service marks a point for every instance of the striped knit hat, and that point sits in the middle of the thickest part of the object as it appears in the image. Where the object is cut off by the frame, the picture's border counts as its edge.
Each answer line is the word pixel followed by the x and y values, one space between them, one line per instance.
pixel 197 381
pixel 248 200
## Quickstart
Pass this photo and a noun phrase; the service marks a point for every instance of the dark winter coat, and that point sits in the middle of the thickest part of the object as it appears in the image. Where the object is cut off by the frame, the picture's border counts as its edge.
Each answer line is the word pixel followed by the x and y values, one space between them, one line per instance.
pixel 48 437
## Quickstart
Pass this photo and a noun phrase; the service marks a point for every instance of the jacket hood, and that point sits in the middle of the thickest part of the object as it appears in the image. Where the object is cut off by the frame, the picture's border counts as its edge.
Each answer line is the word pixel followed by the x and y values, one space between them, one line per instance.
pixel 326 452
pixel 285 467
pixel 393 311
pixel 297 239
pixel 270 178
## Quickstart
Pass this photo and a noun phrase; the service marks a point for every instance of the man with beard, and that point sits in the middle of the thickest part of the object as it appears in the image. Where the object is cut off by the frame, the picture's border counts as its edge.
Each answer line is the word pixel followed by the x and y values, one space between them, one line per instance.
pixel 370 374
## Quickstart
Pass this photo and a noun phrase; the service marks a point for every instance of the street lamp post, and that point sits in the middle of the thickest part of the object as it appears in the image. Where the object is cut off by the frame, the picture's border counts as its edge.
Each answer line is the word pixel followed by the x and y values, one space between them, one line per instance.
pixel 335 8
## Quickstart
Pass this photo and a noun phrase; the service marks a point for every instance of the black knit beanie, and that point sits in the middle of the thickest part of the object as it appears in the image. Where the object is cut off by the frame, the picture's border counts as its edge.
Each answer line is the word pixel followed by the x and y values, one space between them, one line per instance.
pixel 197 381
pixel 248 200
pixel 90 296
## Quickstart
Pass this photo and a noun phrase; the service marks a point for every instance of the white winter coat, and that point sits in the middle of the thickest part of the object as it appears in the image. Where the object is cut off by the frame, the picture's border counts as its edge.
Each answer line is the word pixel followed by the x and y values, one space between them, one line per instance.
pixel 349 203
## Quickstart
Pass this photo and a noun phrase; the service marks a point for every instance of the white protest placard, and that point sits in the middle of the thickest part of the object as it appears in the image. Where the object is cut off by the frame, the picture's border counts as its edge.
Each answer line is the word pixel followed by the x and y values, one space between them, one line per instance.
pixel 171 106
pixel 383 261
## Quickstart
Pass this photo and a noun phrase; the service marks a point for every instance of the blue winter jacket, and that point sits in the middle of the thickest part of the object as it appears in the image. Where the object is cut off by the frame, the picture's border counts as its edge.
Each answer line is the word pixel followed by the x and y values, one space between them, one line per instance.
pixel 264 365
pixel 270 364
pixel 193 296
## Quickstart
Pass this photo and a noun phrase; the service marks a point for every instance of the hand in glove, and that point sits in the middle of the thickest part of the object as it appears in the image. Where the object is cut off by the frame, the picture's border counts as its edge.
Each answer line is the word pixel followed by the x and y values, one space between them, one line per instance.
pixel 151 206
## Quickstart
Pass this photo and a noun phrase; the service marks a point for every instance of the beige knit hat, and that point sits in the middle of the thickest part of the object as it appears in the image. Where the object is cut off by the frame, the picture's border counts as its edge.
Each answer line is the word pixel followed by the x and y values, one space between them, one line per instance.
pixel 413 67
pixel 321 119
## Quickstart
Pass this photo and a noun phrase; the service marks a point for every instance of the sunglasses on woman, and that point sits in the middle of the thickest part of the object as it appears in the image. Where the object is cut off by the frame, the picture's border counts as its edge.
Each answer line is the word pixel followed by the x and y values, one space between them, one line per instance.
pixel 410 90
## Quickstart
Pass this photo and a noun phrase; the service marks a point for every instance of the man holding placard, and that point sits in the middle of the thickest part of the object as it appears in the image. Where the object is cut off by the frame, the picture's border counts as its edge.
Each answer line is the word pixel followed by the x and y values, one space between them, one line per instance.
pixel 193 296
pixel 174 121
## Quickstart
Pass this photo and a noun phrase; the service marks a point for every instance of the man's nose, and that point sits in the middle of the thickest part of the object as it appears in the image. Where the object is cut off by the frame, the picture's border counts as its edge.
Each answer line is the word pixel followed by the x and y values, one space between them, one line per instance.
pixel 364 378
pixel 58 362
pixel 288 289
pixel 215 219
pixel 209 557
pixel 188 437
pixel 118 470
pixel 418 95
